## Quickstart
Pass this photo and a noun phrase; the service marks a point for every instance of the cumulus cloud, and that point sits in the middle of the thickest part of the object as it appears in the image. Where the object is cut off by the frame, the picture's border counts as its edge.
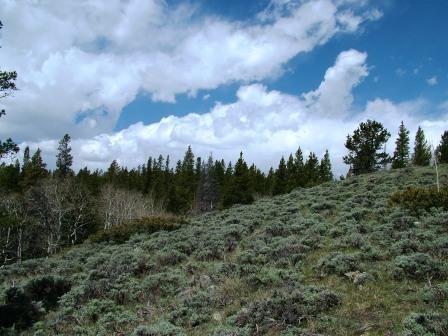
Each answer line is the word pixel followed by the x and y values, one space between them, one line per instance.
pixel 81 62
pixel 264 124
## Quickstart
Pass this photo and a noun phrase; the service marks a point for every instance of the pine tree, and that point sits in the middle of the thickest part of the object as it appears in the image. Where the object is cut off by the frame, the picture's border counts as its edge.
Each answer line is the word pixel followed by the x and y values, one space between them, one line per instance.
pixel 291 173
pixel 34 171
pixel 312 170
pixel 112 172
pixel 26 156
pixel 64 158
pixel 365 147
pixel 422 151
pixel 401 153
pixel 325 173
pixel 238 187
pixel 269 182
pixel 299 169
pixel 442 149
pixel 281 178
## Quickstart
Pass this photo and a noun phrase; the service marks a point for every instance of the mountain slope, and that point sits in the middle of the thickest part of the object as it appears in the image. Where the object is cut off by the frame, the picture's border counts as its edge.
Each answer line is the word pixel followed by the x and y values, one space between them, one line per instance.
pixel 330 260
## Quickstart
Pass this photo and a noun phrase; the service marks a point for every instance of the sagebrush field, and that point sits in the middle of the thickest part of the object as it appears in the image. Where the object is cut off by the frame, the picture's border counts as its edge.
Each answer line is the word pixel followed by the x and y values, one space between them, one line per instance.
pixel 336 259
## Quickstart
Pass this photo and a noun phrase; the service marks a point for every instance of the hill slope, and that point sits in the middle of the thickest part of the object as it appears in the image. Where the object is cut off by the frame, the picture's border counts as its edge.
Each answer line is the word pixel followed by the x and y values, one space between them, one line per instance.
pixel 330 260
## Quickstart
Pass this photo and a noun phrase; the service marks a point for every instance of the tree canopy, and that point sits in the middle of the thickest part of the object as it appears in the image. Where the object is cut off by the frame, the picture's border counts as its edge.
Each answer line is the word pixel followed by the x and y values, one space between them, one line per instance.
pixel 366 147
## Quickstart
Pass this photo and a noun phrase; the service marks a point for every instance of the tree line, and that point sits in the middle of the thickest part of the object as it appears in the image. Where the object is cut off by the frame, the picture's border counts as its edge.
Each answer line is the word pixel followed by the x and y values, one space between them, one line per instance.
pixel 366 149
pixel 42 211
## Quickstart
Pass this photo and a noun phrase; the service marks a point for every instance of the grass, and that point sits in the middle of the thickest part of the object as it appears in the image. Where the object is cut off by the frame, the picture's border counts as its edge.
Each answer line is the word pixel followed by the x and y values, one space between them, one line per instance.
pixel 204 276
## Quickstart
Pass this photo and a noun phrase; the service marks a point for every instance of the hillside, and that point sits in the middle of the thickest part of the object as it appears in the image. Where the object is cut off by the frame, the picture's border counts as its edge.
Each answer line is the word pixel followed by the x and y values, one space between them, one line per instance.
pixel 329 260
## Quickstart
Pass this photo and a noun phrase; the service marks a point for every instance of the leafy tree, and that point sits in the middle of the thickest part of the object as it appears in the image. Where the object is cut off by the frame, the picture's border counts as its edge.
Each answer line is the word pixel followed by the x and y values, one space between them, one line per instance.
pixel 401 153
pixel 281 178
pixel 422 151
pixel 442 149
pixel 64 158
pixel 364 147
pixel 325 173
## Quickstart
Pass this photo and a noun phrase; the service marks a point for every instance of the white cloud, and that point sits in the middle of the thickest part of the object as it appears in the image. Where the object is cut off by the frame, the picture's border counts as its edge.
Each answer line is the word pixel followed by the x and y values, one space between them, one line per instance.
pixel 264 124
pixel 81 62
pixel 432 81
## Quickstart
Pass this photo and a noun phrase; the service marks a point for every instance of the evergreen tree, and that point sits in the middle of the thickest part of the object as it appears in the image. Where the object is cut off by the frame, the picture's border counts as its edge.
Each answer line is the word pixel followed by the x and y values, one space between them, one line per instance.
pixel 281 178
pixel 112 172
pixel 238 189
pixel 207 195
pixel 312 171
pixel 325 173
pixel 269 183
pixel 422 151
pixel 34 171
pixel 365 147
pixel 291 172
pixel 299 169
pixel 26 156
pixel 401 153
pixel 442 149
pixel 64 158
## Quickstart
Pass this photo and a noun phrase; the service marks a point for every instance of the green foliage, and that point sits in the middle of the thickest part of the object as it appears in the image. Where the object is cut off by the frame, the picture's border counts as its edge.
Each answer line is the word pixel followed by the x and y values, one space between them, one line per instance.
pixel 18 311
pixel 435 294
pixel 426 324
pixel 400 158
pixel 254 267
pixel 418 266
pixel 64 158
pixel 338 263
pixel 148 225
pixel 161 328
pixel 364 147
pixel 422 151
pixel 416 199
pixel 442 149
pixel 291 309
pixel 47 290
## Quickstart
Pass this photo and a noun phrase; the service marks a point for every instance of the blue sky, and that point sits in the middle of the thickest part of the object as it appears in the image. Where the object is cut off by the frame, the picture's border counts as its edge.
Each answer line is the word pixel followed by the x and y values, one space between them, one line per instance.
pixel 406 47
pixel 130 79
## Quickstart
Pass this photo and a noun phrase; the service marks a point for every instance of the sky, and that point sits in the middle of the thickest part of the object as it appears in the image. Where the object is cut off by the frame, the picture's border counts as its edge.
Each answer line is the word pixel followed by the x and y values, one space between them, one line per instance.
pixel 138 78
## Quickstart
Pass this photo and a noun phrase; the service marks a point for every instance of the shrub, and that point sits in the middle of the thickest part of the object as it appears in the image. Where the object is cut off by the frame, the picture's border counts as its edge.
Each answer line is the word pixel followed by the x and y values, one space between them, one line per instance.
pixel 47 289
pixel 161 328
pixel 435 294
pixel 417 266
pixel 338 263
pixel 425 324
pixel 18 311
pixel 282 308
pixel 415 199
pixel 121 233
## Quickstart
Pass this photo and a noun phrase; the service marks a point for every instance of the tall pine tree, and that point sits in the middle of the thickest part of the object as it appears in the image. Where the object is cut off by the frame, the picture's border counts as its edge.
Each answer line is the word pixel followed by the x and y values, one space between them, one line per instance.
pixel 64 158
pixel 401 153
pixel 325 173
pixel 312 170
pixel 422 151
